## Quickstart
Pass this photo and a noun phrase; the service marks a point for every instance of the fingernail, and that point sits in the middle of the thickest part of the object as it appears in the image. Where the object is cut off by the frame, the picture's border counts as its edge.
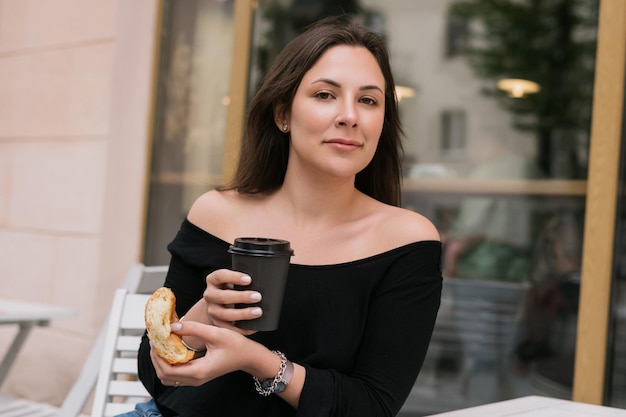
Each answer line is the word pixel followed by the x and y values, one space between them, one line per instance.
pixel 255 296
pixel 176 326
pixel 245 279
pixel 256 311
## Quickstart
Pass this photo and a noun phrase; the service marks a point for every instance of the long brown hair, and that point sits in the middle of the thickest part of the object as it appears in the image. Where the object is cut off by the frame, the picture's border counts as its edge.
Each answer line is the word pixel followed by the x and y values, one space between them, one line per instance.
pixel 265 149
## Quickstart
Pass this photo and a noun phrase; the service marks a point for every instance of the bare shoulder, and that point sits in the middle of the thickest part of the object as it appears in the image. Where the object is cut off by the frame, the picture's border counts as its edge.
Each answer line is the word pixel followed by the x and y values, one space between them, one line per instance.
pixel 211 207
pixel 401 226
pixel 211 201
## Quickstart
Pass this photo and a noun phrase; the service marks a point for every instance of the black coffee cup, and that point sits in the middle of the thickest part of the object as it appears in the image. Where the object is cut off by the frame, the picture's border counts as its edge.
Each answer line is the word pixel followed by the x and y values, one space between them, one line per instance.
pixel 266 261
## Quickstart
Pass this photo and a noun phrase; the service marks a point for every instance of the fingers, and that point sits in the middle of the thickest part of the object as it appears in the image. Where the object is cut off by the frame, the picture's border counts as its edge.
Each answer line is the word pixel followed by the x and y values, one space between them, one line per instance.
pixel 222 313
pixel 221 288
pixel 232 326
pixel 231 296
pixel 199 330
pixel 221 277
pixel 226 352
pixel 175 384
pixel 175 375
pixel 225 303
pixel 206 332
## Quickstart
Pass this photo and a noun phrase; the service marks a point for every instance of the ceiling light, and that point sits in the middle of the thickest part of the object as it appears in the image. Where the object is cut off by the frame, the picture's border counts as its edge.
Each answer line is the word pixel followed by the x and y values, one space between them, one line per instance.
pixel 517 87
pixel 404 92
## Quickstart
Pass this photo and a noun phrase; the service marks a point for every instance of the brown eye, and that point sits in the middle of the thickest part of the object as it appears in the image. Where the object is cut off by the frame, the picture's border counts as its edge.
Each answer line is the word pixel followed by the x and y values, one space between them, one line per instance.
pixel 369 101
pixel 324 95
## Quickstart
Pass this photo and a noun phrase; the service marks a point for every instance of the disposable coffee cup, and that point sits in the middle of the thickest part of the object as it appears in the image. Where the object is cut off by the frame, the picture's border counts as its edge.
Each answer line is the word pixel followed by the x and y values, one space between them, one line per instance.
pixel 266 261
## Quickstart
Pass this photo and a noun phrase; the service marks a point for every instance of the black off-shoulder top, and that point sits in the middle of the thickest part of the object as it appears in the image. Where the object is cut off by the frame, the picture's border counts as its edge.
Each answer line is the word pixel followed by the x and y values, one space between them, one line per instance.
pixel 361 329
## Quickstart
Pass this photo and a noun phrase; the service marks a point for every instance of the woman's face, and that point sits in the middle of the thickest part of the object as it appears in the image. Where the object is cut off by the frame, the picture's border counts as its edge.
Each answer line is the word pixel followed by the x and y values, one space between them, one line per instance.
pixel 337 113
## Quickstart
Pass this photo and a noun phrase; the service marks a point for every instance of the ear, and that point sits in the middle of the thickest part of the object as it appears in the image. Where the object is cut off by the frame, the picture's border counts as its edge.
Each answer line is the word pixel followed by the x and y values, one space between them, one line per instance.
pixel 281 117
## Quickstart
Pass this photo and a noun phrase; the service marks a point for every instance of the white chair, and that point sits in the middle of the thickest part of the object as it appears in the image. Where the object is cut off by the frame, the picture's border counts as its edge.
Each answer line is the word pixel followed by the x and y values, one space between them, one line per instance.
pixel 139 279
pixel 118 388
pixel 10 407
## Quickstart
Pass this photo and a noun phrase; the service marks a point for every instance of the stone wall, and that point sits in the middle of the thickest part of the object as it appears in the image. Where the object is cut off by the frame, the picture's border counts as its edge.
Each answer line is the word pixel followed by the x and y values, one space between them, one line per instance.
pixel 75 101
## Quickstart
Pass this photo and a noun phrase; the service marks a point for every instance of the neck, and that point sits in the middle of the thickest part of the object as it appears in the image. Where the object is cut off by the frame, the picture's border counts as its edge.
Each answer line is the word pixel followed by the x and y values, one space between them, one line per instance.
pixel 314 203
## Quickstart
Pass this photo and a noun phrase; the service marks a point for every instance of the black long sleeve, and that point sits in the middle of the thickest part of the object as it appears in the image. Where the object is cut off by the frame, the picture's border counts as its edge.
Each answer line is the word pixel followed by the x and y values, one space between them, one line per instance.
pixel 361 329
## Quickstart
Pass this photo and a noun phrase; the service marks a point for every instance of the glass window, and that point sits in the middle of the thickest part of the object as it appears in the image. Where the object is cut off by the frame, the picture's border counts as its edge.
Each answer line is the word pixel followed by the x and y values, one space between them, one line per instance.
pixel 190 117
pixel 496 105
pixel 495 99
pixel 453 133
pixel 456 35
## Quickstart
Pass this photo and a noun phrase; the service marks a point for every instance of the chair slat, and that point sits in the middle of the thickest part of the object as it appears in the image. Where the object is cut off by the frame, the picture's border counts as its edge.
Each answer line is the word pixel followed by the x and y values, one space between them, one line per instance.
pixel 118 388
pixel 15 407
pixel 127 389
pixel 128 343
pixel 125 366
pixel 133 317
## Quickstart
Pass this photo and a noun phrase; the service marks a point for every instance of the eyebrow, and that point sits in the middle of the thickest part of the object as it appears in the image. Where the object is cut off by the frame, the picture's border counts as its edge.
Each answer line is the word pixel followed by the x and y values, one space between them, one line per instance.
pixel 336 84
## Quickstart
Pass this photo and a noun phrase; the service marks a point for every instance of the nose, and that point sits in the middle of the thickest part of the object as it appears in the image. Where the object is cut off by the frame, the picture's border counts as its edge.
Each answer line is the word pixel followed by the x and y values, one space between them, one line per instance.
pixel 347 115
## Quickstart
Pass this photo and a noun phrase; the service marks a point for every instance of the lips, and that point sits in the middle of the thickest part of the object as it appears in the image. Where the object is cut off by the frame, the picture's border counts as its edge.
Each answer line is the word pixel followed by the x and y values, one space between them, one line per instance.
pixel 344 143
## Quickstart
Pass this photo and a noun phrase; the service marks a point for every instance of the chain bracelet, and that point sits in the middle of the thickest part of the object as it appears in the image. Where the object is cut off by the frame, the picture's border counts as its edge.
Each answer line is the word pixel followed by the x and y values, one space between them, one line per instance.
pixel 277 379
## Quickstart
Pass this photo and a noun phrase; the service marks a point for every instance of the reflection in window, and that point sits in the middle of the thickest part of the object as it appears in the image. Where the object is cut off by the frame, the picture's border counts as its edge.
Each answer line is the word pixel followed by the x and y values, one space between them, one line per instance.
pixel 456 35
pixel 551 44
pixel 453 134
pixel 277 22
pixel 190 115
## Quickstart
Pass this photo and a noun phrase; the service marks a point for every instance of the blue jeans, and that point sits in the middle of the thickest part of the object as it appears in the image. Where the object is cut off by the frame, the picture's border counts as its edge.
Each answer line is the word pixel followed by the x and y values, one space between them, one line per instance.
pixel 147 409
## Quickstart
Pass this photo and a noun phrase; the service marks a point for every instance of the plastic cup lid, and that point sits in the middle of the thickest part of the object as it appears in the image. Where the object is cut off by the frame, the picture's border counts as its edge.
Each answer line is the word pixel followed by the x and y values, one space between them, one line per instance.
pixel 261 246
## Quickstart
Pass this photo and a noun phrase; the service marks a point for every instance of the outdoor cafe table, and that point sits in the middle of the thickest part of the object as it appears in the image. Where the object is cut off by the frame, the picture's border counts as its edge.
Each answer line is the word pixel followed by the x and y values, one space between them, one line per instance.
pixel 536 406
pixel 26 315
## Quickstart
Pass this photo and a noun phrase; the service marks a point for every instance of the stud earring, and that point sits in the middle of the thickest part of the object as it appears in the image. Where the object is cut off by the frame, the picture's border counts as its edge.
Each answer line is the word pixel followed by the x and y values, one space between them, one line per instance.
pixel 285 127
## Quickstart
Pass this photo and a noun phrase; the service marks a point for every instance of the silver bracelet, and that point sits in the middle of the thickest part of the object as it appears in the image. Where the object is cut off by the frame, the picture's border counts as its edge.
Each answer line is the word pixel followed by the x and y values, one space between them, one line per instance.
pixel 190 348
pixel 198 352
pixel 279 382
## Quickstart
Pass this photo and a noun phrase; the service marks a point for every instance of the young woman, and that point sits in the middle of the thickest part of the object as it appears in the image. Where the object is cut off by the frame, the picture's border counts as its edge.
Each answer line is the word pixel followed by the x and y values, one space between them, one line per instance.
pixel 319 167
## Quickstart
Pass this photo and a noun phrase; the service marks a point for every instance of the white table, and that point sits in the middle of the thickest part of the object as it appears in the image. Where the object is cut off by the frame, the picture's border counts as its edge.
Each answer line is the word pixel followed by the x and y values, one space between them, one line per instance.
pixel 536 406
pixel 26 315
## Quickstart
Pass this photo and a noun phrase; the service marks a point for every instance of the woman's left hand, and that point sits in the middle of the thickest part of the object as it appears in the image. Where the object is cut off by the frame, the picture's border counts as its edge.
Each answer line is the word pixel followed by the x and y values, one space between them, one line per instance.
pixel 226 352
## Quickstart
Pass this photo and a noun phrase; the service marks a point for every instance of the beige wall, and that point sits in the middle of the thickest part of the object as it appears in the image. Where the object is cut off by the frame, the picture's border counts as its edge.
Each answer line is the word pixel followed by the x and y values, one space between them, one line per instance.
pixel 75 97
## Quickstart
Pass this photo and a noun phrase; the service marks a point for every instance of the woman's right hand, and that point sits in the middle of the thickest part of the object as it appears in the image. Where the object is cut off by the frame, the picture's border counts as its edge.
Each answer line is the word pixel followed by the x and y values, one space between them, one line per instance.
pixel 221 297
